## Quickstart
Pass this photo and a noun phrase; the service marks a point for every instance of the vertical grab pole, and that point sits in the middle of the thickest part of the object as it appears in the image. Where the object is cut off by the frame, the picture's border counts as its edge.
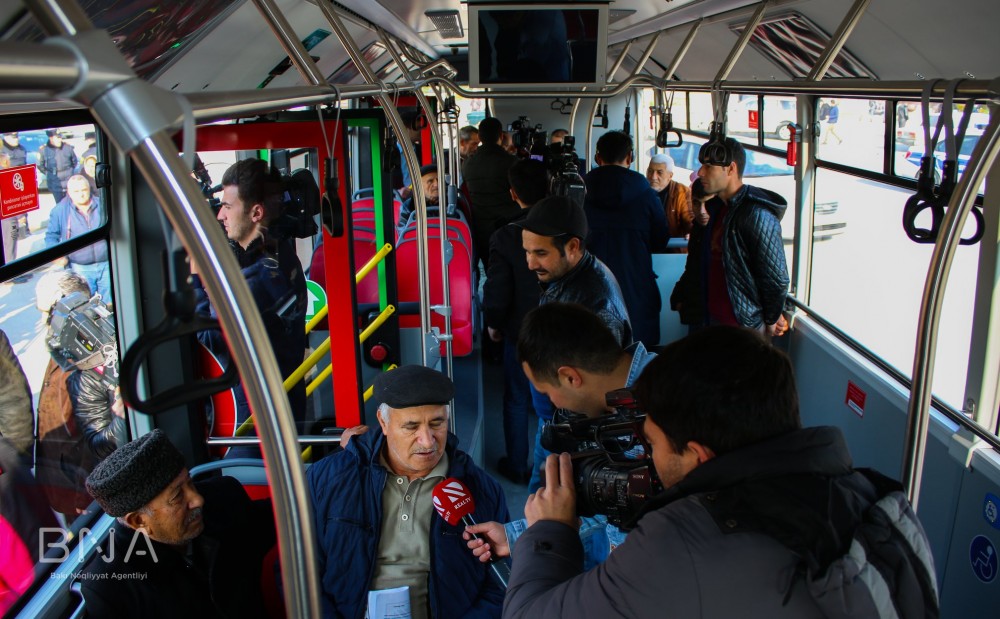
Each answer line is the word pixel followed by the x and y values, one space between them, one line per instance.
pixel 442 214
pixel 962 201
pixel 410 154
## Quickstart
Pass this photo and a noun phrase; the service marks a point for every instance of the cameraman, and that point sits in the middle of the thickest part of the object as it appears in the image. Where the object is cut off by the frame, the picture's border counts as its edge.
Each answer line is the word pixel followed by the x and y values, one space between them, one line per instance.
pixel 575 372
pixel 760 517
pixel 251 201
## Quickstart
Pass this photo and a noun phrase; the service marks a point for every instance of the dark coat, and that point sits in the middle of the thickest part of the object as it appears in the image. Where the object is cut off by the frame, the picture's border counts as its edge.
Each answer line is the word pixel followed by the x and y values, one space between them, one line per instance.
pixel 92 402
pixel 346 492
pixel 57 164
pixel 688 297
pixel 511 288
pixel 753 255
pixel 222 578
pixel 628 225
pixel 591 284
pixel 700 551
pixel 276 281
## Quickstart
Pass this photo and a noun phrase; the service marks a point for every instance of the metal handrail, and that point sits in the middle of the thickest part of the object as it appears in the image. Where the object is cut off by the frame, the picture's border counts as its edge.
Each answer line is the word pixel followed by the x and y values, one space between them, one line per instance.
pixel 959 206
pixel 409 153
pixel 442 198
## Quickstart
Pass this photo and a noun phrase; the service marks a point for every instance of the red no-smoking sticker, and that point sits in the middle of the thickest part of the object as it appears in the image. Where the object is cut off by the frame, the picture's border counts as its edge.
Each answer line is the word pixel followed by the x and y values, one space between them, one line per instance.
pixel 18 191
pixel 753 121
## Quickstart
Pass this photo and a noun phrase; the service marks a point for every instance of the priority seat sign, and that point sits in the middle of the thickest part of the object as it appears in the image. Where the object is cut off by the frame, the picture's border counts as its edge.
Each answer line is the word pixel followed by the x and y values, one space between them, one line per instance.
pixel 18 191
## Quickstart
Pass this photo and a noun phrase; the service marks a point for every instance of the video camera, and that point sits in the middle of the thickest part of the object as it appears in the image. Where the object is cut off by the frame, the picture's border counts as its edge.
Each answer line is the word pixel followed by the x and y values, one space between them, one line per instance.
pixel 299 205
pixel 82 335
pixel 525 136
pixel 563 166
pixel 612 469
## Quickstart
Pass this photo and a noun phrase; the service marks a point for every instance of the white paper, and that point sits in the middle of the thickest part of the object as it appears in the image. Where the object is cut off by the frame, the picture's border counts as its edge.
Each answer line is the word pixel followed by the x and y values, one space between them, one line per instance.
pixel 389 603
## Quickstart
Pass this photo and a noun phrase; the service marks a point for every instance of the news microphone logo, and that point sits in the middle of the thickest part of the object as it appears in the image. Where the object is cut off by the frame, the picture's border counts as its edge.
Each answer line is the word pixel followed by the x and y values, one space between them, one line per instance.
pixel 453 501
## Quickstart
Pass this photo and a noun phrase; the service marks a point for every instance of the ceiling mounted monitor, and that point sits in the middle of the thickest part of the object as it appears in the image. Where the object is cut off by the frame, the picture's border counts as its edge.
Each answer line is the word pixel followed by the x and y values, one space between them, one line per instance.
pixel 537 45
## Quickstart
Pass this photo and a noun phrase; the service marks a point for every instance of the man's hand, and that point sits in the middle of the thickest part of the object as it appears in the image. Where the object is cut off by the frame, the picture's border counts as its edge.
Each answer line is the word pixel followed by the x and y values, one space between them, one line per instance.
pixel 778 328
pixel 492 540
pixel 345 438
pixel 557 500
pixel 495 334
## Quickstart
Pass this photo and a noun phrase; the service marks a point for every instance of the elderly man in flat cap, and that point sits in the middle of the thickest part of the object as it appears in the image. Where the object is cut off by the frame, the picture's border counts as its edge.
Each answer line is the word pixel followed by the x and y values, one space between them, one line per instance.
pixel 180 549
pixel 375 520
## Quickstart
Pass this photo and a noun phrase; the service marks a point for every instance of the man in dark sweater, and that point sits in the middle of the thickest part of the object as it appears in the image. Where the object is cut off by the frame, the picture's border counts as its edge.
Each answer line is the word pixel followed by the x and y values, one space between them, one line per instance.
pixel 485 174
pixel 202 545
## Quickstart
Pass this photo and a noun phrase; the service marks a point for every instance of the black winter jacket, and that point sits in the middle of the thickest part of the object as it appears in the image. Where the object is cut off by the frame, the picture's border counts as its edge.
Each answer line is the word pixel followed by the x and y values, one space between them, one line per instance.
pixel 627 225
pixel 511 288
pixel 687 297
pixel 220 578
pixel 753 256
pixel 92 402
pixel 592 285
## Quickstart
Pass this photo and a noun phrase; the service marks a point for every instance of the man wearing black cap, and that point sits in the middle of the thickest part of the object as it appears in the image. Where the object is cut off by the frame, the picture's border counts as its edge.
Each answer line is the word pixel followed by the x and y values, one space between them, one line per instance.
pixel 553 238
pixel 375 520
pixel 201 545
pixel 429 183
pixel 57 160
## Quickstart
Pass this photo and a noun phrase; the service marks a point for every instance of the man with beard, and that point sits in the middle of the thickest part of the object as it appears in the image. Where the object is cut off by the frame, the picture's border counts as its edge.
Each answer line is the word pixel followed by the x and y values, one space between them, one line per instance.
pixel 179 549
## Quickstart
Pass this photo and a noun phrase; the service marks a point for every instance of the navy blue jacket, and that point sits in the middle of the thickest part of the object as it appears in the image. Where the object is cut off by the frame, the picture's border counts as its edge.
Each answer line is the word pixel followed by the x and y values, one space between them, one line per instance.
pixel 279 288
pixel 627 225
pixel 346 493
pixel 66 222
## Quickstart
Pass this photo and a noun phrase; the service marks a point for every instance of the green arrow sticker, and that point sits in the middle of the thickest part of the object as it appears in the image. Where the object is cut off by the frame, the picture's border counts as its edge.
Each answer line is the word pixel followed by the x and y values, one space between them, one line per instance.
pixel 317 299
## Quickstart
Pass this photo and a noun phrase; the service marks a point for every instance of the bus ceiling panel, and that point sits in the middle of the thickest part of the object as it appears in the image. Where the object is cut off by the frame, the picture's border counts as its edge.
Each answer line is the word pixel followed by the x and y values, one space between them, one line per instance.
pixel 928 39
pixel 894 39
pixel 151 34
pixel 403 20
pixel 242 53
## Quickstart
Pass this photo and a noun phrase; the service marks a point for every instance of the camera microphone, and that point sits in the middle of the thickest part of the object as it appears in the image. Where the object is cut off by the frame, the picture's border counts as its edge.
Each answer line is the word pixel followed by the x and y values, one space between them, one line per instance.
pixel 453 501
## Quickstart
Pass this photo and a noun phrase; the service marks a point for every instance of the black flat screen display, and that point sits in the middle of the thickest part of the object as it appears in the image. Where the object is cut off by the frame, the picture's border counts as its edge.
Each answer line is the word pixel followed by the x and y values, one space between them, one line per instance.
pixel 538 46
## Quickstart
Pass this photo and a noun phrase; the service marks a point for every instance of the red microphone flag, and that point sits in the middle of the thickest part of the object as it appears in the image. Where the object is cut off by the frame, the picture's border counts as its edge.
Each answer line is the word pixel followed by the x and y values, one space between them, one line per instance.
pixel 453 500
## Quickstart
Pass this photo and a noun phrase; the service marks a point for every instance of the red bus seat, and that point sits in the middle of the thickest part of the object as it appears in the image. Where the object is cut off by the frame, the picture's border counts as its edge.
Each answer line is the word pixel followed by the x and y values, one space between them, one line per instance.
pixel 460 282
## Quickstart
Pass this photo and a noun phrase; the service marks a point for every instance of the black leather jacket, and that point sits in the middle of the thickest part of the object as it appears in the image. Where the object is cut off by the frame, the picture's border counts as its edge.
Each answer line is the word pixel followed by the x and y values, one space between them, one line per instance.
pixel 753 256
pixel 591 284
pixel 92 401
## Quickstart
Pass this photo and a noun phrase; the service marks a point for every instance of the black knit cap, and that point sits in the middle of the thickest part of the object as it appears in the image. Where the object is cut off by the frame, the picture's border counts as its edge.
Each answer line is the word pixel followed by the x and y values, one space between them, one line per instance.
pixel 556 216
pixel 427 169
pixel 413 385
pixel 135 473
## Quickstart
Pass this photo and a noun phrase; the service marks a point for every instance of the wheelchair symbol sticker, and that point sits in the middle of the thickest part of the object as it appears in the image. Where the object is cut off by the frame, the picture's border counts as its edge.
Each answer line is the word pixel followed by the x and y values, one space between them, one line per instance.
pixel 991 510
pixel 983 556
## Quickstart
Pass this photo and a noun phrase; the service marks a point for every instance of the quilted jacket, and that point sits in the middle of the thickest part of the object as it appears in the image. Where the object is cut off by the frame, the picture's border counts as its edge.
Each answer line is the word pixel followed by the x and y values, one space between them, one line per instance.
pixel 592 284
pixel 753 256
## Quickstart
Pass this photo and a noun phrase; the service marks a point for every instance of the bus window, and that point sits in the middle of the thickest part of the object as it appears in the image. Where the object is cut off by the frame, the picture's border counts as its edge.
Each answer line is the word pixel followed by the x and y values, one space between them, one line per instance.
pixel 909 138
pixel 62 157
pixel 743 118
pixel 60 414
pixel 700 110
pixel 779 114
pixel 852 132
pixel 877 304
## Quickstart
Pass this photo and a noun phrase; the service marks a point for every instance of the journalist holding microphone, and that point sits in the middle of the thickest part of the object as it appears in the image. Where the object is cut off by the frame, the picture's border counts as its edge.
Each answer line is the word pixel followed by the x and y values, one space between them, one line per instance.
pixel 374 504
pixel 760 517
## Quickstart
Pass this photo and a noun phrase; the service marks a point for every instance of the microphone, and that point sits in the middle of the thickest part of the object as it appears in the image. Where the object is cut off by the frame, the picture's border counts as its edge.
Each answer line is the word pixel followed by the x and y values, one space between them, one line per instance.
pixel 453 502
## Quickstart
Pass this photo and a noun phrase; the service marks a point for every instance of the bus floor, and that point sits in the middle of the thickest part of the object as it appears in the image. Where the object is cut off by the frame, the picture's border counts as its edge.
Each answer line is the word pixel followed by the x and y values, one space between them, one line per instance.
pixel 494 447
